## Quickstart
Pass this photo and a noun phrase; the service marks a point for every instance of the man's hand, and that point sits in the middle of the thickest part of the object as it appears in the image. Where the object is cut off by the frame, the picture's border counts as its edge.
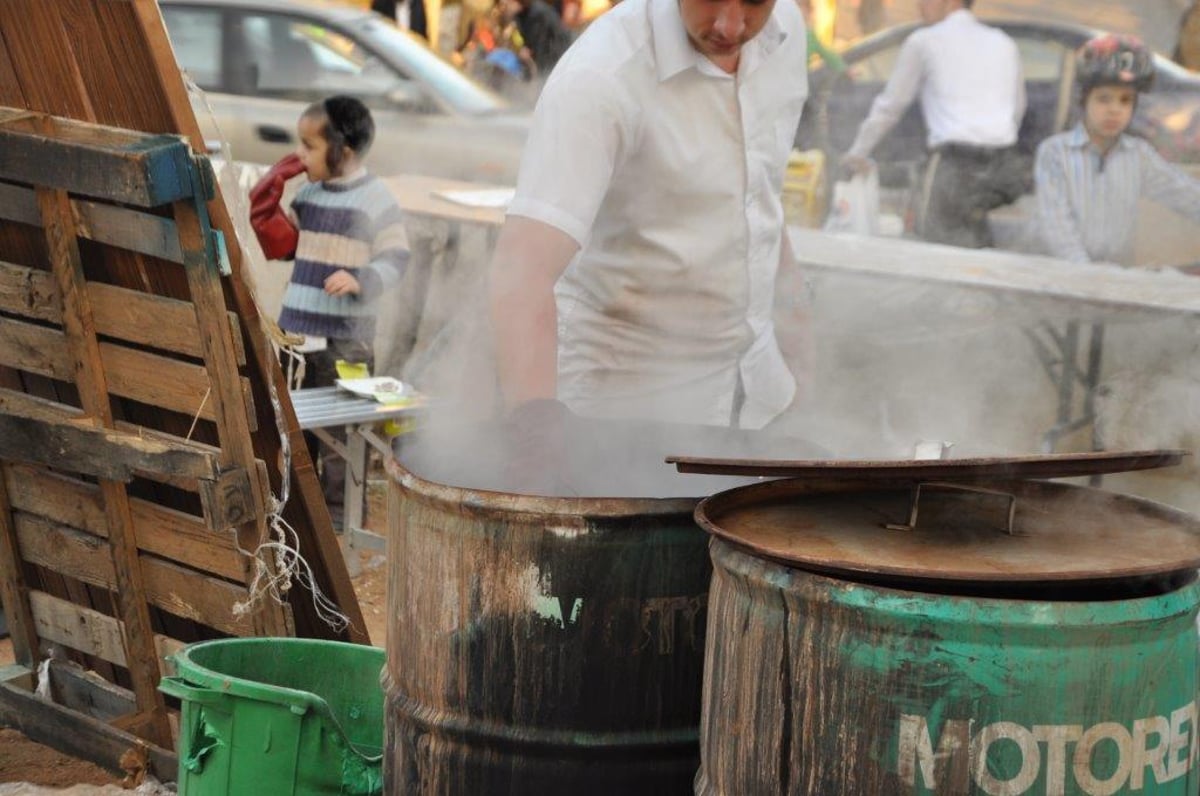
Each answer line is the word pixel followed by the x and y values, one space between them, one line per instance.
pixel 857 164
pixel 342 283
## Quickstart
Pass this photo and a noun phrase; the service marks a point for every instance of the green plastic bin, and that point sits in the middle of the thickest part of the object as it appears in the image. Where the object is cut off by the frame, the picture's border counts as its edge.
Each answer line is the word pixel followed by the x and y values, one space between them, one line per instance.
pixel 279 716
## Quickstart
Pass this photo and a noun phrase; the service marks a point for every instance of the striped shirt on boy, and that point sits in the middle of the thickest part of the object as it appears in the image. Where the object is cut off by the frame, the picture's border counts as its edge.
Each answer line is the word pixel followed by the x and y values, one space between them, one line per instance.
pixel 1088 202
pixel 355 225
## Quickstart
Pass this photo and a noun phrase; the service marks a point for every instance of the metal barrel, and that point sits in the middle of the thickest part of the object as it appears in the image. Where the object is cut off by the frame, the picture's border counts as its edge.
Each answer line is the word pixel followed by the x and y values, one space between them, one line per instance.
pixel 820 685
pixel 542 645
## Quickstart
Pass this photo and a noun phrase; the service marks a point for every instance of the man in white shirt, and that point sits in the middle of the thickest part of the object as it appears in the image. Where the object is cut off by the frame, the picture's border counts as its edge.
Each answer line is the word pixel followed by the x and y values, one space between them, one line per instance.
pixel 968 76
pixel 635 274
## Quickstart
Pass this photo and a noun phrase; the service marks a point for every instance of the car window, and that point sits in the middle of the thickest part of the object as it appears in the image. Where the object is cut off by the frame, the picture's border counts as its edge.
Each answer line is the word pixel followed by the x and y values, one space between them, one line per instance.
pixel 196 39
pixel 301 58
pixel 1042 59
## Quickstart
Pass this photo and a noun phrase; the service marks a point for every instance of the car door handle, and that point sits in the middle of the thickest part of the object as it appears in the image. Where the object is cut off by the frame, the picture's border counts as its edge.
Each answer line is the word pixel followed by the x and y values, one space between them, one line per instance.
pixel 273 135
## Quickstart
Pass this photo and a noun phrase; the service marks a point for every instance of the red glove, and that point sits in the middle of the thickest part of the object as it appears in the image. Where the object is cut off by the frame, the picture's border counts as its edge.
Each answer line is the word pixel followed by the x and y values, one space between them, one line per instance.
pixel 275 231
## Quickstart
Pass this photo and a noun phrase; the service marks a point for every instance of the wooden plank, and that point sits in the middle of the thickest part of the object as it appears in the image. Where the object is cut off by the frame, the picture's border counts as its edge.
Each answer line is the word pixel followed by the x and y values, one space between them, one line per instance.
pixel 87 692
pixel 233 406
pixel 58 223
pixel 33 348
pixel 96 451
pixel 162 381
pixel 122 227
pixel 89 631
pixel 173 588
pixel 38 46
pixel 160 530
pixel 129 229
pixel 29 292
pixel 75 734
pixel 14 591
pixel 105 163
pixel 138 375
pixel 169 324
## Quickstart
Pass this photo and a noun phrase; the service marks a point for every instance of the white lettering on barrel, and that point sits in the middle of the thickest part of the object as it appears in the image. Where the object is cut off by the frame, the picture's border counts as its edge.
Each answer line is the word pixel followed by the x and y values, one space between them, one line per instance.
pixel 916 748
pixel 1178 766
pixel 1090 784
pixel 1056 737
pixel 1167 745
pixel 1143 755
pixel 1031 759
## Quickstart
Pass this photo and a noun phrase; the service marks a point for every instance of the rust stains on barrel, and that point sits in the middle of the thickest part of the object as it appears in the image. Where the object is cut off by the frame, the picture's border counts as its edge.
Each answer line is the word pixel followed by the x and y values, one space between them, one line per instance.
pixel 542 645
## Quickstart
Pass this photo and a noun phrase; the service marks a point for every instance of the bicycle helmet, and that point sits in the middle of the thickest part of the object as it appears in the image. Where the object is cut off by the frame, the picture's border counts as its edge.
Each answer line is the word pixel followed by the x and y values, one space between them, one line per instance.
pixel 1114 60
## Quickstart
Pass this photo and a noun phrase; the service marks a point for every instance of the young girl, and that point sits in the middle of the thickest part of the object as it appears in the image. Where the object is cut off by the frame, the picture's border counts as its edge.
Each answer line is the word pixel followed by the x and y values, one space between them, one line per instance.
pixel 350 248
pixel 1089 179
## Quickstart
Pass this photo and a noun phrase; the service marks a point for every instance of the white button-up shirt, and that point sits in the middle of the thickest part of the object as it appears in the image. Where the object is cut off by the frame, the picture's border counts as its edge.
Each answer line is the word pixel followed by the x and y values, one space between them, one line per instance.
pixel 969 78
pixel 667 171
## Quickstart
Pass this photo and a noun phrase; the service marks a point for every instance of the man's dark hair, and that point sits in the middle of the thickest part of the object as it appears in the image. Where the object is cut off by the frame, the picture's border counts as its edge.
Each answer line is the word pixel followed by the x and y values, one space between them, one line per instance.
pixel 968 3
pixel 348 123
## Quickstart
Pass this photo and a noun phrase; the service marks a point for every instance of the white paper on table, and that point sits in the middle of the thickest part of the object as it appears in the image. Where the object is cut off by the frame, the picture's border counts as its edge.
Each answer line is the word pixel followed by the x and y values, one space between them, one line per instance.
pixel 374 387
pixel 484 197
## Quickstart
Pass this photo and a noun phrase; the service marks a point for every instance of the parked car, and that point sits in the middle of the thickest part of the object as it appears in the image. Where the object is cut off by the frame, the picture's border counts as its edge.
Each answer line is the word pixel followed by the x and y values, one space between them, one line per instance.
pixel 1169 115
pixel 262 62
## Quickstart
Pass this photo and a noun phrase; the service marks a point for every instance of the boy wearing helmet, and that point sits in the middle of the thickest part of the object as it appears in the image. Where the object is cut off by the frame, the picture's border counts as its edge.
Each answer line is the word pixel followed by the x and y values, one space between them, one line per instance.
pixel 1089 179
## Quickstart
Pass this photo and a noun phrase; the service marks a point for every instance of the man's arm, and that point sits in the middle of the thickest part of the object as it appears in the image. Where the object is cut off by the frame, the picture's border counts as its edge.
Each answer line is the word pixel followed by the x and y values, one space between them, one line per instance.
pixel 893 101
pixel 529 258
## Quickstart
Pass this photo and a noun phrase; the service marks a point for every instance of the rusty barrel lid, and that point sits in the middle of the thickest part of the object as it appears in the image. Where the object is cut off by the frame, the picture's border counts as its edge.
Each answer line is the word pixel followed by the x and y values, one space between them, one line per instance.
pixel 896 528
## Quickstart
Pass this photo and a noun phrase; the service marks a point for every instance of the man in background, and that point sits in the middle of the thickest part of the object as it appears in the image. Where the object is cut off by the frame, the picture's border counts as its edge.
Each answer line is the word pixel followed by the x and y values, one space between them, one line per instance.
pixel 968 77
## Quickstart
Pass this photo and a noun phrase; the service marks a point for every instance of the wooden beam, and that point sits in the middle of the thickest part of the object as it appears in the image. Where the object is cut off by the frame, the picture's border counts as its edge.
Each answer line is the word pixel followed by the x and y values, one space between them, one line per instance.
pixel 138 375
pixel 101 452
pixel 123 227
pixel 63 622
pixel 14 591
pixel 161 531
pixel 75 734
pixel 181 591
pixel 92 160
pixel 58 222
pixel 29 292
pixel 234 410
pixel 157 321
pixel 88 692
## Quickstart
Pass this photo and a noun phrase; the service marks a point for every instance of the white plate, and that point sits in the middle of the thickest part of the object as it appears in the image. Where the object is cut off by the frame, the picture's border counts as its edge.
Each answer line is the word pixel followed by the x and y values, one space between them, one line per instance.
pixel 372 388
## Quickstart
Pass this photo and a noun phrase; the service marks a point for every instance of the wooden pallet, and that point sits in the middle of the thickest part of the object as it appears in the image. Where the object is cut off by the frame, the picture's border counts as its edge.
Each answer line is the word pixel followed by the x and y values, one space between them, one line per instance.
pixel 139 441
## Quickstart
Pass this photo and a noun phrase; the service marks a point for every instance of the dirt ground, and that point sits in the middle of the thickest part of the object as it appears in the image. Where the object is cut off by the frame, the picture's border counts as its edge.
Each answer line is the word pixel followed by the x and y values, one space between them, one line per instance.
pixel 22 760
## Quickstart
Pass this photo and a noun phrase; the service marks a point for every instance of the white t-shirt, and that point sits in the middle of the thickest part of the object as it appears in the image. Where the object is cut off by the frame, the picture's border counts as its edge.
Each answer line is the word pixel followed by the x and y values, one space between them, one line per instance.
pixel 969 78
pixel 668 172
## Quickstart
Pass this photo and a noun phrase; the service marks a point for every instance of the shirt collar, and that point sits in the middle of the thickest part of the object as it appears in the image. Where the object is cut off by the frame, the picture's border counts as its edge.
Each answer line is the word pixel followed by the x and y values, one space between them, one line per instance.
pixel 961 15
pixel 674 53
pixel 1079 138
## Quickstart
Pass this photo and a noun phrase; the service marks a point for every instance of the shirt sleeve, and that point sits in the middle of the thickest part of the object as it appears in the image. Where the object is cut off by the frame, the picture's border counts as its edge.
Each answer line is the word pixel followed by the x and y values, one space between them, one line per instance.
pixel 1168 185
pixel 580 128
pixel 389 253
pixel 1057 224
pixel 893 101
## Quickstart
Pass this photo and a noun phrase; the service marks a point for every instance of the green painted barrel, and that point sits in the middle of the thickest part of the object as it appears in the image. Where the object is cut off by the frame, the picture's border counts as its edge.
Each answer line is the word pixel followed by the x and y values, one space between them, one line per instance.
pixel 825 674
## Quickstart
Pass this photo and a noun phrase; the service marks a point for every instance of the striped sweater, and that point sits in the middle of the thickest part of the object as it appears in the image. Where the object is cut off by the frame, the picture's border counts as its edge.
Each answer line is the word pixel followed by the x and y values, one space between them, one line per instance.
pixel 354 225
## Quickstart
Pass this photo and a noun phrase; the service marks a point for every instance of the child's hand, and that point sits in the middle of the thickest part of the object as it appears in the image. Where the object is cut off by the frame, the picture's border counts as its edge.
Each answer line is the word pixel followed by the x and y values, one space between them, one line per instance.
pixel 342 283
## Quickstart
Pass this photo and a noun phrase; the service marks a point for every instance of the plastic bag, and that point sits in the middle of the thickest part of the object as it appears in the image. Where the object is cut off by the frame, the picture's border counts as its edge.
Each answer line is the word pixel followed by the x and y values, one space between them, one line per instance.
pixel 855 205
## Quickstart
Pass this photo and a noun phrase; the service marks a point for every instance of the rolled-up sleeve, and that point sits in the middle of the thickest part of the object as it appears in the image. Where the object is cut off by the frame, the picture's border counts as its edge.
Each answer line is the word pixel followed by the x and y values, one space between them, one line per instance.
pixel 580 129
